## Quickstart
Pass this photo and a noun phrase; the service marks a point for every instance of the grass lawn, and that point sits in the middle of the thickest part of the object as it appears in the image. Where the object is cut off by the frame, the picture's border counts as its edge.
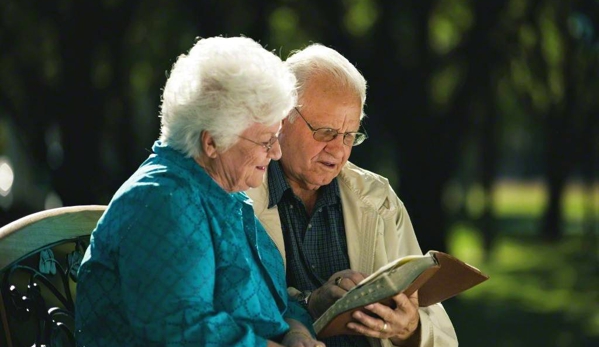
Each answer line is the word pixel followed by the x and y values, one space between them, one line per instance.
pixel 539 294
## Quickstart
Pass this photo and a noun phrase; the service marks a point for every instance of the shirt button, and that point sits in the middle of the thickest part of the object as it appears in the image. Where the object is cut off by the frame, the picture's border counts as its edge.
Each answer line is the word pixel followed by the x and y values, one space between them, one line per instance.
pixel 291 207
pixel 309 226
pixel 313 267
pixel 320 210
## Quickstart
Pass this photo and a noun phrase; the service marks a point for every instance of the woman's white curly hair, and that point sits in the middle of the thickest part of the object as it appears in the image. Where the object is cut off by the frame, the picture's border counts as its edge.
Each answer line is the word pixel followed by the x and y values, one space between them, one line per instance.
pixel 223 86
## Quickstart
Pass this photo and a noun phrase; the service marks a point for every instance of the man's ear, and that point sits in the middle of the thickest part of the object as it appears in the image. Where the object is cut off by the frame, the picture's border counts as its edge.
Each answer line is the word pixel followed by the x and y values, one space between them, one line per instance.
pixel 208 145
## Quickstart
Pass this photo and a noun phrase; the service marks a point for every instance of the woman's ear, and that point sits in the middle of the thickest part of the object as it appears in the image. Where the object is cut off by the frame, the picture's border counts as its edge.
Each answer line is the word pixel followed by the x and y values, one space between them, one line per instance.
pixel 208 144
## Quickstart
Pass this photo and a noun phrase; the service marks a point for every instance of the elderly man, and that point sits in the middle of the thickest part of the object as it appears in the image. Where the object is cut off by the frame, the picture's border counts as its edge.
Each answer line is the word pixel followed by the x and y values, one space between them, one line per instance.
pixel 334 222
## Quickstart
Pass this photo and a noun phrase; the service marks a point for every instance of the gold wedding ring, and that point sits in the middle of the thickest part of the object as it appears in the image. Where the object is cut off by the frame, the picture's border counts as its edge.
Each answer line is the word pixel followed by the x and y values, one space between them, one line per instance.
pixel 338 280
pixel 384 327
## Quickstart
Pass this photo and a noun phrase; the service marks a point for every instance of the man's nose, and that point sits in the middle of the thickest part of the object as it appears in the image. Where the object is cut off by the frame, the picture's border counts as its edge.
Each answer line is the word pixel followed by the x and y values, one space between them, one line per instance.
pixel 336 143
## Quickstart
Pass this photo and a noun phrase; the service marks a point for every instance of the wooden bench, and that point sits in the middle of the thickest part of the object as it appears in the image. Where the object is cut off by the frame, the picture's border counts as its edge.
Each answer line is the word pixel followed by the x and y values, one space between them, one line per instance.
pixel 39 258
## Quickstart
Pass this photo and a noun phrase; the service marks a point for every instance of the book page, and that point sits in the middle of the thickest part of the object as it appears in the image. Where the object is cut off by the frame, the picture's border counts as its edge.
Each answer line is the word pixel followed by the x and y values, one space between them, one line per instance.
pixel 396 263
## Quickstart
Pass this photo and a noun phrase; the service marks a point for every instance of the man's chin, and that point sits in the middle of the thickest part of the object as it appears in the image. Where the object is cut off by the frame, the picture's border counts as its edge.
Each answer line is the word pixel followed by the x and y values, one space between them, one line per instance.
pixel 322 180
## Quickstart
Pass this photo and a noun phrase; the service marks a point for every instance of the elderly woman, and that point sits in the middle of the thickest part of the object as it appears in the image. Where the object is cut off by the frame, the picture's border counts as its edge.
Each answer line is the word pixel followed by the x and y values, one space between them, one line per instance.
pixel 178 258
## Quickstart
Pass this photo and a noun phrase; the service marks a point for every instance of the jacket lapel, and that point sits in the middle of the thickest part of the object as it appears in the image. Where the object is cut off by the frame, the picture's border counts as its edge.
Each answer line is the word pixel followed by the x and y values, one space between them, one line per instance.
pixel 360 230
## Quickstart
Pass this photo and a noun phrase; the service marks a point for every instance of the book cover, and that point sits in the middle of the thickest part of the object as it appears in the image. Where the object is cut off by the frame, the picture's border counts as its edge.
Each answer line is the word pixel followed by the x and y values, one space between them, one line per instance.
pixel 436 275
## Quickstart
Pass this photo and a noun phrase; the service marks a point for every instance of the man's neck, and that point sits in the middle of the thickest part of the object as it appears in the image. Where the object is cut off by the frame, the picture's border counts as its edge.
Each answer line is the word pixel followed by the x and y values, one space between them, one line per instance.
pixel 307 193
pixel 308 197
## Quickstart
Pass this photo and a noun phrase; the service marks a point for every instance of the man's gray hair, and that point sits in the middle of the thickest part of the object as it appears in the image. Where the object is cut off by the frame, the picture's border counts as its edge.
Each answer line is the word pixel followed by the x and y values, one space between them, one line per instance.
pixel 316 59
pixel 223 86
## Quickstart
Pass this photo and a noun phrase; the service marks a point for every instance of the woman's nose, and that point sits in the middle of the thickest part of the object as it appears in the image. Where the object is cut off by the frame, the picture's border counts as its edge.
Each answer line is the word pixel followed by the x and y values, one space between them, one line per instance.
pixel 275 151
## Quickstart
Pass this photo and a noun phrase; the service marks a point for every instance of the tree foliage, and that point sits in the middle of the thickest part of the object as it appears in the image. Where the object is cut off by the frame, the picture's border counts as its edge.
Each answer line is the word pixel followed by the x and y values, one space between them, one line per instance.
pixel 461 92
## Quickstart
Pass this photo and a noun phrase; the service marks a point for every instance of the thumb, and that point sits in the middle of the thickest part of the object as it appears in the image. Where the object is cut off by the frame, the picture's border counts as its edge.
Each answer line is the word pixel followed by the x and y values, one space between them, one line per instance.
pixel 414 298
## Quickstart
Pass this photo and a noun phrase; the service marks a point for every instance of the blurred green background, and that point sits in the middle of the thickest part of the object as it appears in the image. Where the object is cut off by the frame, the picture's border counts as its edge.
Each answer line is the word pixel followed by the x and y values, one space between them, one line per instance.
pixel 484 115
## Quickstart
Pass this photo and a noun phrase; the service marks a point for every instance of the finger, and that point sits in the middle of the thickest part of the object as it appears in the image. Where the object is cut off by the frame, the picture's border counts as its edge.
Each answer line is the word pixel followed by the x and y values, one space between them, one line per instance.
pixel 351 274
pixel 373 321
pixel 341 273
pixel 356 277
pixel 379 311
pixel 406 304
pixel 406 314
pixel 375 331
pixel 326 295
pixel 401 321
pixel 414 298
pixel 345 283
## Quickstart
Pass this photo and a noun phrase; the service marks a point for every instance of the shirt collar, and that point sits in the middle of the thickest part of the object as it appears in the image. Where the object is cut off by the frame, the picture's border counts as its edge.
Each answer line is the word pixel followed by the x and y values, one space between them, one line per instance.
pixel 278 185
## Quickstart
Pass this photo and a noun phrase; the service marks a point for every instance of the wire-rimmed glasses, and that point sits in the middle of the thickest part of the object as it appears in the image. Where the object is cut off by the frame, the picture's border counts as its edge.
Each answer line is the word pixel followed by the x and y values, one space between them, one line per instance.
pixel 350 138
pixel 267 145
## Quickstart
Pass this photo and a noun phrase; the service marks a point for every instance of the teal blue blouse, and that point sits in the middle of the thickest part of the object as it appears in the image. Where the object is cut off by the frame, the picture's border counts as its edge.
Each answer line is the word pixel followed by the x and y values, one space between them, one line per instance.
pixel 177 261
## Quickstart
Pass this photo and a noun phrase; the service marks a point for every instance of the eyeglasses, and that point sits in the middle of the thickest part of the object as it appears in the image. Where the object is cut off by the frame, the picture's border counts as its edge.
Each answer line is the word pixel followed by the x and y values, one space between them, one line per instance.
pixel 267 145
pixel 350 138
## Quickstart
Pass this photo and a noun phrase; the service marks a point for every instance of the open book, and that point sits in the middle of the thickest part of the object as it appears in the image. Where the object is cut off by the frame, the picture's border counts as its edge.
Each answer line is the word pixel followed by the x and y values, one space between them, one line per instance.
pixel 436 275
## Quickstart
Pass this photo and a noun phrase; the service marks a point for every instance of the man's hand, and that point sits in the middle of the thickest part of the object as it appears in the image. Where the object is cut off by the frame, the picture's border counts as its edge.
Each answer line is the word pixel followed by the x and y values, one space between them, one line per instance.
pixel 399 324
pixel 337 285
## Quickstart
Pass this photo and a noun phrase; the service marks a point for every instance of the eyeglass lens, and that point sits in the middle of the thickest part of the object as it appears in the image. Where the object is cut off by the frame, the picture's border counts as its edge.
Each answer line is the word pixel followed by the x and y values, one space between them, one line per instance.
pixel 329 134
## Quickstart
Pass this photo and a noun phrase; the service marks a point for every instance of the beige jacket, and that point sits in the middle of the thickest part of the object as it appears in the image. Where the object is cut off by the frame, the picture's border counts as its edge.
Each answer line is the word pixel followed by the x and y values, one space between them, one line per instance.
pixel 378 230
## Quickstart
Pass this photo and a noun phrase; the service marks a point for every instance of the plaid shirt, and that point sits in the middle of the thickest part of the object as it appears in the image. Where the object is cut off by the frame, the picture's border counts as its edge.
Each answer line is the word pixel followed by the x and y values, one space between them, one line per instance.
pixel 316 245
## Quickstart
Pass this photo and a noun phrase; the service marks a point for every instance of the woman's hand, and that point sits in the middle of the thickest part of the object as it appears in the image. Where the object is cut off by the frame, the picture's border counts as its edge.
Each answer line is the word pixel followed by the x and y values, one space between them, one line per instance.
pixel 301 338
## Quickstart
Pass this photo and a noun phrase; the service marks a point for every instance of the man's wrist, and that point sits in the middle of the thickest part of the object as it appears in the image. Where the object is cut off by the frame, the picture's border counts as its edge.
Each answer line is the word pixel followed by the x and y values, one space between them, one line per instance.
pixel 304 298
pixel 412 341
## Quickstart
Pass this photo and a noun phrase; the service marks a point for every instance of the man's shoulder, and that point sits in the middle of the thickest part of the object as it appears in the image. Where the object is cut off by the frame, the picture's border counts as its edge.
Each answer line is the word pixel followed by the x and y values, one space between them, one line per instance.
pixel 367 186
pixel 361 177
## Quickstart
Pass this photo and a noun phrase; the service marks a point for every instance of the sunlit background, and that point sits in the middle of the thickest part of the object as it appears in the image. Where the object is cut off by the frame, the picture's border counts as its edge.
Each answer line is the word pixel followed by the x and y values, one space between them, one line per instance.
pixel 484 115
